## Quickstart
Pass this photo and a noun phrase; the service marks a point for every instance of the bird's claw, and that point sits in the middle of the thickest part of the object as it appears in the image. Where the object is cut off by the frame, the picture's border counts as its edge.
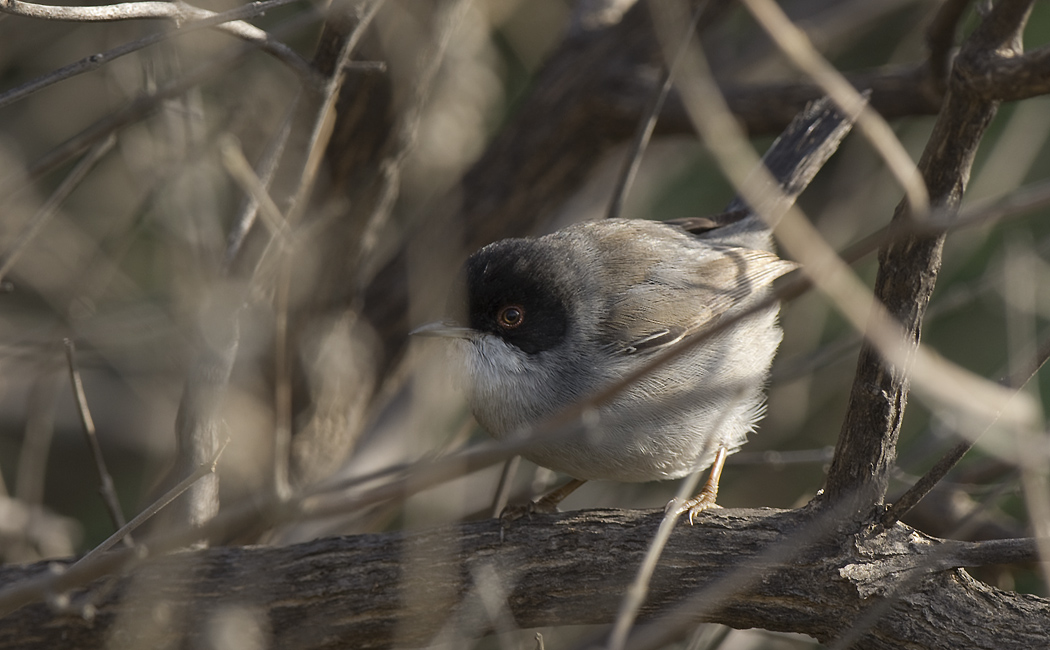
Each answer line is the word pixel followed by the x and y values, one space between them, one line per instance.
pixel 703 501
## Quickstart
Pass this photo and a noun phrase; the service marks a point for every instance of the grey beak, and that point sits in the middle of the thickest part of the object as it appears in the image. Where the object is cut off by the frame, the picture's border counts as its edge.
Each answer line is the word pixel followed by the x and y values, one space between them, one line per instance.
pixel 444 330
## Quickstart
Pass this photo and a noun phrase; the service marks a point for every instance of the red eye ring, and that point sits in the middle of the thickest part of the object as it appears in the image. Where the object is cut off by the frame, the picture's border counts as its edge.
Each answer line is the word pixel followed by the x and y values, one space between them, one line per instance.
pixel 510 317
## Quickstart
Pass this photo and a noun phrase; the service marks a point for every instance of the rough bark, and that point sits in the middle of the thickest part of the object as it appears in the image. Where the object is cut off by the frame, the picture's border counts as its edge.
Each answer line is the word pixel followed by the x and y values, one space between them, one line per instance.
pixel 775 569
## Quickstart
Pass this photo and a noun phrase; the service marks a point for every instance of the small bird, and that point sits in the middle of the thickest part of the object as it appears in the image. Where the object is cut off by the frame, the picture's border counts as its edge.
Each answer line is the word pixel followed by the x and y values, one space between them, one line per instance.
pixel 553 320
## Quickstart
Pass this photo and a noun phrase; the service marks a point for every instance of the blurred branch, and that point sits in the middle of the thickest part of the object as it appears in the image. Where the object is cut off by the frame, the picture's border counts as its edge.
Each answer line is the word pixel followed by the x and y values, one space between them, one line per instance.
pixel 128 114
pixel 125 531
pixel 197 424
pixel 325 118
pixel 96 61
pixel 36 443
pixel 44 214
pixel 106 486
pixel 179 12
pixel 793 42
pixel 806 585
pixel 647 124
pixel 866 447
pixel 406 136
pixel 257 186
pixel 940 36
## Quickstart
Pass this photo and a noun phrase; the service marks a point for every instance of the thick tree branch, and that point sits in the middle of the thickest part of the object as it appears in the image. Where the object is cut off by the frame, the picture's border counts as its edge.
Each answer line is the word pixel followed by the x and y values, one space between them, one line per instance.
pixel 561 569
pixel 1011 78
pixel 908 269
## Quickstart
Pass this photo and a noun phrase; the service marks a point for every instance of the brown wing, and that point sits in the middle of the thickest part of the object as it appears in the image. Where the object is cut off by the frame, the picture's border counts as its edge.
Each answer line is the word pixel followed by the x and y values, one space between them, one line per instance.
pixel 673 302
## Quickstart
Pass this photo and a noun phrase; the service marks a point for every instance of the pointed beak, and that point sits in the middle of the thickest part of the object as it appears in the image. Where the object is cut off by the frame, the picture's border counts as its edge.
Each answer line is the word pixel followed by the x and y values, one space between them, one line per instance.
pixel 444 330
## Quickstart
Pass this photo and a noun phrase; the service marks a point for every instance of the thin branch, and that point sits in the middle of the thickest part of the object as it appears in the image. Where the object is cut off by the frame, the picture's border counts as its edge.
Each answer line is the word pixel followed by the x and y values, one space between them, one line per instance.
pixel 179 12
pixel 994 551
pixel 268 168
pixel 940 37
pixel 635 595
pixel 96 61
pixel 102 13
pixel 255 187
pixel 238 167
pixel 704 601
pixel 924 485
pixel 907 272
pixel 44 214
pixel 198 421
pixel 130 113
pixel 36 444
pixel 794 43
pixel 779 459
pixel 282 368
pixel 107 488
pixel 633 158
pixel 1018 203
pixel 1023 200
pixel 506 478
pixel 125 531
pixel 325 120
pixel 450 17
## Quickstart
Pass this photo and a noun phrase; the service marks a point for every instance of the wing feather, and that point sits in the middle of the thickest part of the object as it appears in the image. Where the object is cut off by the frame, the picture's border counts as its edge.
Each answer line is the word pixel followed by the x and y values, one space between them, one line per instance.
pixel 649 317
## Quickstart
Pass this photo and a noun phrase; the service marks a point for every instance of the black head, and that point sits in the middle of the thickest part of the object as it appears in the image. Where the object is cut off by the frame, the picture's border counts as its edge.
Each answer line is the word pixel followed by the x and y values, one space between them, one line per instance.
pixel 520 290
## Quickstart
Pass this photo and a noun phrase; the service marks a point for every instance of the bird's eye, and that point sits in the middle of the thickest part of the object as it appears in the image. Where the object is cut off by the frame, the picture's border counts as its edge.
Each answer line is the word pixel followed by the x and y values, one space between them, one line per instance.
pixel 510 317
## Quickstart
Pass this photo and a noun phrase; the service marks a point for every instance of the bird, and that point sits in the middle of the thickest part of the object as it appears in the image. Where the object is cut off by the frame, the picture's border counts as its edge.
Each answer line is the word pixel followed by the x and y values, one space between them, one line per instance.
pixel 538 324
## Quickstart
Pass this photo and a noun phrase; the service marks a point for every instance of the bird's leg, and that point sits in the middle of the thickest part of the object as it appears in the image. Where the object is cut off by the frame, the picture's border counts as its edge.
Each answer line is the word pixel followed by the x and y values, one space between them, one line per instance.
pixel 549 502
pixel 545 504
pixel 707 496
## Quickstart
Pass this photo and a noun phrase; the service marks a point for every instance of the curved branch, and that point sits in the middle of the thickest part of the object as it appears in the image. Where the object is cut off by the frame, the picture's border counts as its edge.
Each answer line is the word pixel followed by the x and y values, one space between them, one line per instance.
pixel 1012 78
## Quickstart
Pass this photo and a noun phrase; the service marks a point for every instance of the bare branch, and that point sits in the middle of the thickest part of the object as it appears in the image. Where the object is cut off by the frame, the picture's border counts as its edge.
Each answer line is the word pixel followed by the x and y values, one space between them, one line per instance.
pixel 793 43
pixel 36 444
pixel 40 219
pixel 179 12
pixel 922 487
pixel 197 424
pixel 268 167
pixel 633 159
pixel 325 119
pixel 125 531
pixel 108 490
pixel 1011 78
pixel 940 37
pixel 127 114
pixel 908 269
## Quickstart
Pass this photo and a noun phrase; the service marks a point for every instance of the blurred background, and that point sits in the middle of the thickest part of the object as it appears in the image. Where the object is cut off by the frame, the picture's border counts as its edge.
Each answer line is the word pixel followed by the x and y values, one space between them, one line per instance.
pixel 137 265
